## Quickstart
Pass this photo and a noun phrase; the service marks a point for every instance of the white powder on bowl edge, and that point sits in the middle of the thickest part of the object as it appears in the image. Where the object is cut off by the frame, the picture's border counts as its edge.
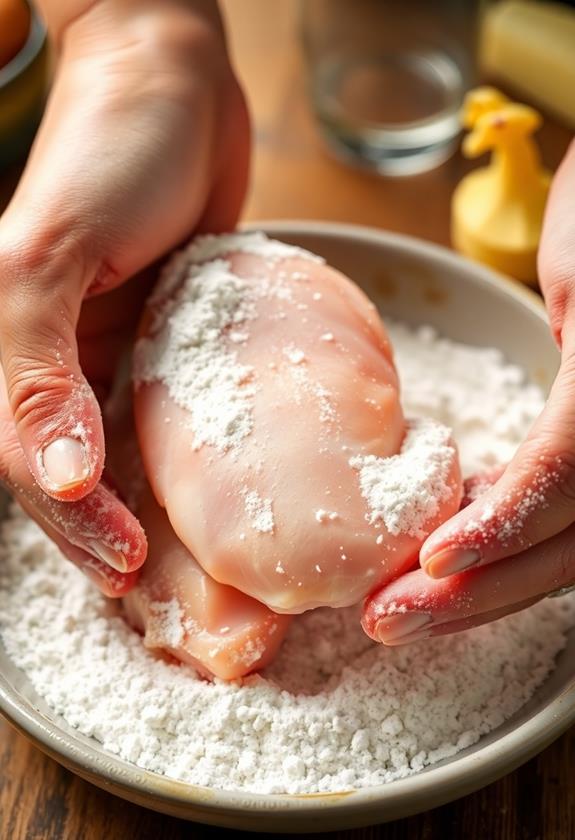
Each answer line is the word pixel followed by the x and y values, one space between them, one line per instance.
pixel 335 711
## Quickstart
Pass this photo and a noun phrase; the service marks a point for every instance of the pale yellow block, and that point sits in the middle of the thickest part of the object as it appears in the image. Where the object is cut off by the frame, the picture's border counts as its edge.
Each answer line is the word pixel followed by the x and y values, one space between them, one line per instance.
pixel 531 46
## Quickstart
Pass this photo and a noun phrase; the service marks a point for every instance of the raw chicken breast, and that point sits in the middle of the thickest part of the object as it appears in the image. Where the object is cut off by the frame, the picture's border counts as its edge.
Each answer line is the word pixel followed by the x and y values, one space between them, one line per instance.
pixel 175 604
pixel 264 380
pixel 181 610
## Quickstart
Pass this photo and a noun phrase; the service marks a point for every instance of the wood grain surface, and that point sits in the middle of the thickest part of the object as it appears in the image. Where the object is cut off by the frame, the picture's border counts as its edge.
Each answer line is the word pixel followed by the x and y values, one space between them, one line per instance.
pixel 294 178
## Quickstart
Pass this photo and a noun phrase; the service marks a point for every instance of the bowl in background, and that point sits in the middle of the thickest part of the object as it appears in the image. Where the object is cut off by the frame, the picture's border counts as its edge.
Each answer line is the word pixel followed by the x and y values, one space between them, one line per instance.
pixel 418 283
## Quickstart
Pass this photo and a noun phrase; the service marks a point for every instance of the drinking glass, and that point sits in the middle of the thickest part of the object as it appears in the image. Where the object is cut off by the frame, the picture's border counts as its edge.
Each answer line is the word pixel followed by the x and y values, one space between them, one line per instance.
pixel 387 77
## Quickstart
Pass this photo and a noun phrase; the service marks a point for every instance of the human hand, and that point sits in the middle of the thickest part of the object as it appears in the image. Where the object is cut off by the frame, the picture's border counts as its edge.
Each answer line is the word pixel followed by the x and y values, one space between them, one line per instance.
pixel 145 140
pixel 512 545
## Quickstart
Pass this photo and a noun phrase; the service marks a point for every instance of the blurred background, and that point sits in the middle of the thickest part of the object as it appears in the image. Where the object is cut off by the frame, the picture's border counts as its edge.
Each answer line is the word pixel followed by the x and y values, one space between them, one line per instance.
pixel 354 102
pixel 294 175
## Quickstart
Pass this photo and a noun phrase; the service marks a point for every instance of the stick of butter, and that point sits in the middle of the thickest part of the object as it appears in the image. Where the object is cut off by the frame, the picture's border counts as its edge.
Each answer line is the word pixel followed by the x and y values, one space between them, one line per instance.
pixel 531 46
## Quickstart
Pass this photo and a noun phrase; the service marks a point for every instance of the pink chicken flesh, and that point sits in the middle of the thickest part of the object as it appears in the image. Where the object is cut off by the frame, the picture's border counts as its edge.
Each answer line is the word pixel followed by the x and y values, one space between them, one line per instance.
pixel 181 610
pixel 281 516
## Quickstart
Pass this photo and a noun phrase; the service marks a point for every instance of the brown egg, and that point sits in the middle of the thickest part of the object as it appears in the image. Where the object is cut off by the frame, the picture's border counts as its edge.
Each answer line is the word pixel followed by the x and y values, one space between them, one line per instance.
pixel 14 28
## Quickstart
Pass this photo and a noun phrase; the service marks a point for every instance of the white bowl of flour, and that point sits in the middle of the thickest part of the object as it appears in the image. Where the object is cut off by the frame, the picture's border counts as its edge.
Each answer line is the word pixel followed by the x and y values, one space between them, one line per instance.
pixel 338 732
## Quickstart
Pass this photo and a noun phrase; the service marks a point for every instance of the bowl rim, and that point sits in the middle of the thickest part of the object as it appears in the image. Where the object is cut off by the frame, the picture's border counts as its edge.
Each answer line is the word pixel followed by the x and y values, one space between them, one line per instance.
pixel 28 53
pixel 456 778
pixel 405 242
pixel 439 784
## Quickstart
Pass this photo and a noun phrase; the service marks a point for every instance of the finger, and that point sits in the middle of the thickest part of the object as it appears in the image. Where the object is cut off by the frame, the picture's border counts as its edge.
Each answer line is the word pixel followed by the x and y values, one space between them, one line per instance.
pixel 71 217
pixel 57 416
pixel 417 603
pixel 460 625
pixel 536 496
pixel 99 524
pixel 476 486
pixel 532 501
pixel 110 582
pixel 556 257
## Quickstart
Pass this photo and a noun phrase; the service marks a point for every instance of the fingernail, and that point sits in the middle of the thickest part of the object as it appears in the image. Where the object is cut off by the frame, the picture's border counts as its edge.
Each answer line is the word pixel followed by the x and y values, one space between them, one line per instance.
pixel 393 627
pixel 410 638
pixel 108 555
pixel 97 575
pixel 451 561
pixel 65 463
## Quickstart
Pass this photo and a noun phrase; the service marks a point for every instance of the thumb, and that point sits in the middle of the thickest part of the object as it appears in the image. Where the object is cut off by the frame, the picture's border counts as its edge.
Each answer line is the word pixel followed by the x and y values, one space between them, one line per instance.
pixel 56 414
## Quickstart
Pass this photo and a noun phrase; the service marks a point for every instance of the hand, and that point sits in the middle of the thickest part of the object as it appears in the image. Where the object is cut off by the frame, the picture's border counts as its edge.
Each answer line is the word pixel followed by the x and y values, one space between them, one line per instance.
pixel 515 543
pixel 145 140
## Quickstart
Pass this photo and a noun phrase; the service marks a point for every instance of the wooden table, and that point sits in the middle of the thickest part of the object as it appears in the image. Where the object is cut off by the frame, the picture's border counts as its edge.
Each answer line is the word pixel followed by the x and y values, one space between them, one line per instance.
pixel 294 178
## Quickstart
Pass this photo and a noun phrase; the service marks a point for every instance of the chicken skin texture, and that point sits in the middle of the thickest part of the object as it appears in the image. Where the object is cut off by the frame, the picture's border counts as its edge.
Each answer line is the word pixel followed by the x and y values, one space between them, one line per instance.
pixel 279 514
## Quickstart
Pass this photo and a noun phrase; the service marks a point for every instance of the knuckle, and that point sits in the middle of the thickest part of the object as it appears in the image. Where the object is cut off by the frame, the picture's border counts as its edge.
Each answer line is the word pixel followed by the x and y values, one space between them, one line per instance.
pixel 558 467
pixel 557 270
pixel 557 560
pixel 42 257
pixel 36 396
pixel 566 479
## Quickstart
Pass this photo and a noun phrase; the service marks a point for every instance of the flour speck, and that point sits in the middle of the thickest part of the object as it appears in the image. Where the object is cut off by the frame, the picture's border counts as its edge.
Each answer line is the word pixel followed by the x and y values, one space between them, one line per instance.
pixel 259 511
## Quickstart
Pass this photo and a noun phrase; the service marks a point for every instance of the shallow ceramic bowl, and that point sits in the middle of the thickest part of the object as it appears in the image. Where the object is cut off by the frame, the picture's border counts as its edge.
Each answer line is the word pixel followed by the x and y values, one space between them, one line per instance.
pixel 23 86
pixel 418 283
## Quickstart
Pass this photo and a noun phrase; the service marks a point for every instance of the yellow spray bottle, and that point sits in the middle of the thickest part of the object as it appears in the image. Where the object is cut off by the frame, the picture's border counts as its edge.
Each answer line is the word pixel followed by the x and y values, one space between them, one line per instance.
pixel 497 210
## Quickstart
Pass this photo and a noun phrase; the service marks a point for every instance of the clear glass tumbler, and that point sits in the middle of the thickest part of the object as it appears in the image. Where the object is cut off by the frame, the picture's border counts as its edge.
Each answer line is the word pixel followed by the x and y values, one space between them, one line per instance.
pixel 387 77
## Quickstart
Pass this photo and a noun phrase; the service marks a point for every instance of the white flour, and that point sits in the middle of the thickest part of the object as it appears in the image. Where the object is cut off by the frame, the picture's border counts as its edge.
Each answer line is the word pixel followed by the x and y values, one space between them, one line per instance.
pixel 210 247
pixel 199 307
pixel 185 351
pixel 487 403
pixel 335 711
pixel 259 511
pixel 405 491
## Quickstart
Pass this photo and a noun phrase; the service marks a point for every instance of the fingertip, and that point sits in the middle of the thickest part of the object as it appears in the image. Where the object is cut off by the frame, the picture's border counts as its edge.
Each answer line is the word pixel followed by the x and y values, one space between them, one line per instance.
pixel 111 557
pixel 440 554
pixel 368 619
pixel 111 583
pixel 393 628
pixel 125 551
pixel 59 424
pixel 69 460
pixel 430 549
pixel 441 549
pixel 138 552
pixel 451 561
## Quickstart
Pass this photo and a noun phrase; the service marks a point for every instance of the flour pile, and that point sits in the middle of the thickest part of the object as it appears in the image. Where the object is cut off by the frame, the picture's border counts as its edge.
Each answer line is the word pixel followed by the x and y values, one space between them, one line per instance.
pixel 405 491
pixel 335 711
